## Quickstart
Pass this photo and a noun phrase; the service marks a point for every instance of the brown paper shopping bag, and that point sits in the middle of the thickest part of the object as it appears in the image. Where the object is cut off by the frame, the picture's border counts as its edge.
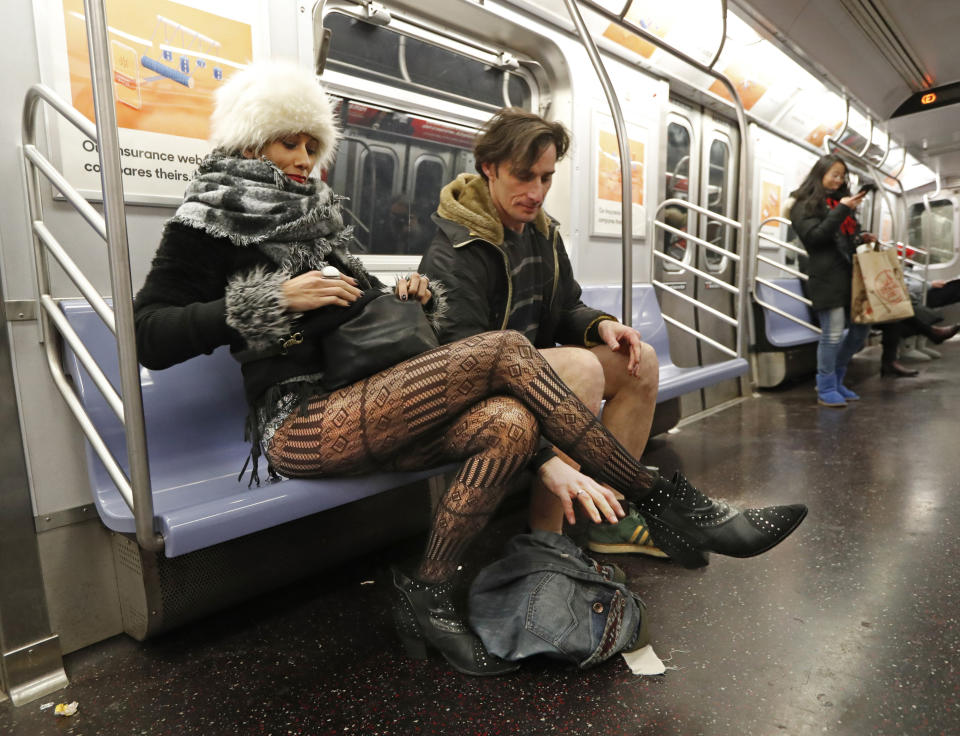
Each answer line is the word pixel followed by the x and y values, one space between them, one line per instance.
pixel 879 292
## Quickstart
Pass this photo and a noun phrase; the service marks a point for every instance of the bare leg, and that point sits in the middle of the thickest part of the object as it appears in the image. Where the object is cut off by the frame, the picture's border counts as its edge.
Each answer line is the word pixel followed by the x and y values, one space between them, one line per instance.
pixel 631 400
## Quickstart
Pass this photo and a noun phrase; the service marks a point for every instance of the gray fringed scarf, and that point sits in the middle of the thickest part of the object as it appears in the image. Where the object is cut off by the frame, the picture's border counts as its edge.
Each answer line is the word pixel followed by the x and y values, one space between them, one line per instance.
pixel 252 202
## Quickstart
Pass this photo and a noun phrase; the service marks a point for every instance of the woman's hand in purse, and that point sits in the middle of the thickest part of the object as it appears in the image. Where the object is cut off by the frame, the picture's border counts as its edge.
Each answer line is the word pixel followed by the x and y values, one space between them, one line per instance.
pixel 312 290
pixel 414 285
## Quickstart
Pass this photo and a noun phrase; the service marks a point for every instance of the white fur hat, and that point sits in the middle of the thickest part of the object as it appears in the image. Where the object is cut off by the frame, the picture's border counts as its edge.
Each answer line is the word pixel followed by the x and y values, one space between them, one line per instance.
pixel 270 99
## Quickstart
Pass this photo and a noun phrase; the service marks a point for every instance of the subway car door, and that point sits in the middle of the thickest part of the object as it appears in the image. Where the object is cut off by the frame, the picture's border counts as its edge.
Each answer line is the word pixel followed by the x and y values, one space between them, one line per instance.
pixel 719 157
pixel 701 155
pixel 681 179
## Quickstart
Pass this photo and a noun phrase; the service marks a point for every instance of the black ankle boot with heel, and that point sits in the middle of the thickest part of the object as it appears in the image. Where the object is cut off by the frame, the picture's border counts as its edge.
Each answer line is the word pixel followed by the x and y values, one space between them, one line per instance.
pixel 424 614
pixel 687 525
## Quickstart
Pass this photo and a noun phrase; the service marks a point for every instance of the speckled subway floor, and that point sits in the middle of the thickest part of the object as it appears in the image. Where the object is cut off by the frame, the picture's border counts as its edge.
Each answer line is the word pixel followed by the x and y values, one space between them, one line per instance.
pixel 849 627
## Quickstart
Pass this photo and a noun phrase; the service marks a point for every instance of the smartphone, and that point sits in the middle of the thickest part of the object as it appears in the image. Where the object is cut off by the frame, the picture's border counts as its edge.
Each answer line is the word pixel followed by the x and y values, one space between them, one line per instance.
pixel 867 188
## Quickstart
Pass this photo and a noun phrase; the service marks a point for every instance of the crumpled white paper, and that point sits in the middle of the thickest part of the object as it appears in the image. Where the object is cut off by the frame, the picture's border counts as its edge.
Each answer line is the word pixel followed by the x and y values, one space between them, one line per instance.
pixel 65 709
pixel 644 661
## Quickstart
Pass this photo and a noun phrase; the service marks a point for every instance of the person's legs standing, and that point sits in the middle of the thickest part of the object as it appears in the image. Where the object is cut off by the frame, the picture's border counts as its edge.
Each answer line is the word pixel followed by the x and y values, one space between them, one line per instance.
pixel 831 336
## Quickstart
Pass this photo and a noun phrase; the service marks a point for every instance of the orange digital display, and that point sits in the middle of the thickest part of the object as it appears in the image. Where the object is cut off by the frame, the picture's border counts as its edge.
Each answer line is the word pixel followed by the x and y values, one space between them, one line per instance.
pixel 928 98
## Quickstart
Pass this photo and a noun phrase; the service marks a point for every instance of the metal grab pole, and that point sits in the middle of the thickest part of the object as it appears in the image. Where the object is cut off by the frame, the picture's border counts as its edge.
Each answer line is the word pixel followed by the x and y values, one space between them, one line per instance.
pixel 118 252
pixel 742 212
pixel 626 169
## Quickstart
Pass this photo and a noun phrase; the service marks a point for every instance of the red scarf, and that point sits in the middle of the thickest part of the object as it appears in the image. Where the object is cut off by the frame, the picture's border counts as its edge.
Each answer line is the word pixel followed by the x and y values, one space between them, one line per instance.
pixel 849 225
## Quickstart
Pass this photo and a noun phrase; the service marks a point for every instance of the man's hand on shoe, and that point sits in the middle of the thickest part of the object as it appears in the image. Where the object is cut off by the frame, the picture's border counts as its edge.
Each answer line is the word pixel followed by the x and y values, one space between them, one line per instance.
pixel 622 339
pixel 569 484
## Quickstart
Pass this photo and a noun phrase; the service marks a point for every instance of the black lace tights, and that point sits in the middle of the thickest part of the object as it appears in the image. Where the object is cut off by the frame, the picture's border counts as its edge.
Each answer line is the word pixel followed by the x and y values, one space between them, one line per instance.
pixel 483 400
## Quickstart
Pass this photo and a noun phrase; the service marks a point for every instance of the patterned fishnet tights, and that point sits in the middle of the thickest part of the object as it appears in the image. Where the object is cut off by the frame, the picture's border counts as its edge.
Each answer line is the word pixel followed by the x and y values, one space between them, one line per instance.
pixel 483 400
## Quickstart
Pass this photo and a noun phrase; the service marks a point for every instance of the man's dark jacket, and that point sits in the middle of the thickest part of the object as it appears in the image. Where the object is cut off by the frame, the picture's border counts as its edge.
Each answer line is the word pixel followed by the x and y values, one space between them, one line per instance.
pixel 468 254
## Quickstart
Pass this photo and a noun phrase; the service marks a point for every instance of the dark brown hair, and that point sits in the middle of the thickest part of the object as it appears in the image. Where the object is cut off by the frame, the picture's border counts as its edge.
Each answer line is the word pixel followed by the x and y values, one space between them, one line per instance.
pixel 810 196
pixel 518 137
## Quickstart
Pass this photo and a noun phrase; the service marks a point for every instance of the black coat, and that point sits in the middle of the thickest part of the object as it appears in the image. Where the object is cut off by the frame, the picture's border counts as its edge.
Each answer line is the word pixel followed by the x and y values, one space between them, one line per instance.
pixel 830 266
pixel 469 256
pixel 181 310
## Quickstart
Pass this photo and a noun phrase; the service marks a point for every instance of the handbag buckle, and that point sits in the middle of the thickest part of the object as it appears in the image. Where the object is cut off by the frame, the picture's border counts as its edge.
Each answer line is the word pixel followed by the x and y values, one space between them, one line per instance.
pixel 295 339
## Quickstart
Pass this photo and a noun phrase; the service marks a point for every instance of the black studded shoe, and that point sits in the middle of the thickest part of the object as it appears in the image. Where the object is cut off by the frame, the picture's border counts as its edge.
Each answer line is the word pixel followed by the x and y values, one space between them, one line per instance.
pixel 424 614
pixel 686 524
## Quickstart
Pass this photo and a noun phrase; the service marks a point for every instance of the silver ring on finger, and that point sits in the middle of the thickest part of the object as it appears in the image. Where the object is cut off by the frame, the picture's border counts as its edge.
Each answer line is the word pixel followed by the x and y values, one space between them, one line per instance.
pixel 580 493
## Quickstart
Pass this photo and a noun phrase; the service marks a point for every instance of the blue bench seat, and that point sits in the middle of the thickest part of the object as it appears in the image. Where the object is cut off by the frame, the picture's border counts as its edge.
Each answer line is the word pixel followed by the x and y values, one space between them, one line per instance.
pixel 780 332
pixel 194 416
pixel 647 319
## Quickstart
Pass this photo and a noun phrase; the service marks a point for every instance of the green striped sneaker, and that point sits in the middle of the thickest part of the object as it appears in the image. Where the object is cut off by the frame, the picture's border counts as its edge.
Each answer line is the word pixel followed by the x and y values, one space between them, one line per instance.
pixel 629 536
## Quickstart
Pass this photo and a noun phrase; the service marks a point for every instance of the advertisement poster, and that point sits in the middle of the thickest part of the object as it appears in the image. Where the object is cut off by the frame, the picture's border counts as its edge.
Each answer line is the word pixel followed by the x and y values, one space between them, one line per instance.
pixel 669 21
pixel 167 60
pixel 607 210
pixel 771 199
pixel 750 80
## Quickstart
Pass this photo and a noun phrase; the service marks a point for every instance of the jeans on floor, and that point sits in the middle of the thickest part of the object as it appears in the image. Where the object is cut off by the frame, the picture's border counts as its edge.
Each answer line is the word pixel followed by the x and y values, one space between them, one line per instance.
pixel 836 349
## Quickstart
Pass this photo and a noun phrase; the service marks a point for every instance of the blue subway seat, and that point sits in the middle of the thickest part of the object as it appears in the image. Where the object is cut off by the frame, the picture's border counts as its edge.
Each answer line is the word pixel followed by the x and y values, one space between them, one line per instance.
pixel 781 332
pixel 674 380
pixel 194 416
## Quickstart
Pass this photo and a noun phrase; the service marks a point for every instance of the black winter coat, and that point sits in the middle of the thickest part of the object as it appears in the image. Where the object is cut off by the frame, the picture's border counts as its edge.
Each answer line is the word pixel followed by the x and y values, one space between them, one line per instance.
pixel 830 266
pixel 468 256
pixel 181 310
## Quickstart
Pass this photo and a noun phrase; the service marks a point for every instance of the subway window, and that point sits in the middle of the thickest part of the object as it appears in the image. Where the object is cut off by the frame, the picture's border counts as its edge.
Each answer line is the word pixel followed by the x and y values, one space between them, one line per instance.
pixel 380 54
pixel 393 162
pixel 717 233
pixel 932 228
pixel 677 187
pixel 391 167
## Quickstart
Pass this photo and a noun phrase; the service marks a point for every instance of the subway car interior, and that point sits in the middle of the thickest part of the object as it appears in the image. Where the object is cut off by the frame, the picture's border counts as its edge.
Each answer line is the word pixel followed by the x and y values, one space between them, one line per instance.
pixel 144 589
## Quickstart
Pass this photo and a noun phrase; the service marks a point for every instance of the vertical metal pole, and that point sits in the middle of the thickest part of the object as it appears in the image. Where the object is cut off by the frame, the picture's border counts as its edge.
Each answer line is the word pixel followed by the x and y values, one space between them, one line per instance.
pixel 743 215
pixel 118 252
pixel 626 170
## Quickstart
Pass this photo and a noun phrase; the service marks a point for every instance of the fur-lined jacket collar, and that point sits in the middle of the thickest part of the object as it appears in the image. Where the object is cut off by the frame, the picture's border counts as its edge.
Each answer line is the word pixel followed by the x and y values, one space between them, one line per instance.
pixel 466 202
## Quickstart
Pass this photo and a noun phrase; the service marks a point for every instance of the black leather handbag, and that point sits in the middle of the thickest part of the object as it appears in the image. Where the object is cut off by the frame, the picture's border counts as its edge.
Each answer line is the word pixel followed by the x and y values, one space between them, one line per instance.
pixel 383 332
pixel 342 345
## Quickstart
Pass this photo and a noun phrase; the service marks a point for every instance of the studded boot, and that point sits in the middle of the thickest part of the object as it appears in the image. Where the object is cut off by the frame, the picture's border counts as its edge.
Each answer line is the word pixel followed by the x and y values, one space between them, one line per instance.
pixel 686 524
pixel 424 614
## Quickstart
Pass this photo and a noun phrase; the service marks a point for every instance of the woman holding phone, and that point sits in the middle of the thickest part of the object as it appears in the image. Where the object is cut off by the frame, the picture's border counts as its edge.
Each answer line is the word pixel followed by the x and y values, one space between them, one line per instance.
pixel 823 217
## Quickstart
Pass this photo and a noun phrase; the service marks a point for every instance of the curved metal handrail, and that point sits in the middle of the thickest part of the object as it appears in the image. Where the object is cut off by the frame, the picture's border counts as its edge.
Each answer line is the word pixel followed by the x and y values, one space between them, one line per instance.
pixel 758 258
pixel 741 116
pixel 626 169
pixel 135 490
pixel 735 321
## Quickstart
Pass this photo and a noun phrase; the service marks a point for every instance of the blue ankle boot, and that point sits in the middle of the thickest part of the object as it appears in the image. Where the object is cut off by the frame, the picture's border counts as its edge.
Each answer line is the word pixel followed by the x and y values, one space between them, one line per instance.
pixel 827 393
pixel 843 390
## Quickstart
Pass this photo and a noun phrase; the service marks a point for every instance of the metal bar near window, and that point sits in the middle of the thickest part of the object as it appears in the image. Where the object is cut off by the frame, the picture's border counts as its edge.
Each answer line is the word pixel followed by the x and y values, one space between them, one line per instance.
pixel 700 336
pixel 660 224
pixel 781 244
pixel 76 344
pixel 785 292
pixel 702 274
pixel 776 310
pixel 626 168
pixel 98 303
pixel 782 267
pixel 89 214
pixel 697 304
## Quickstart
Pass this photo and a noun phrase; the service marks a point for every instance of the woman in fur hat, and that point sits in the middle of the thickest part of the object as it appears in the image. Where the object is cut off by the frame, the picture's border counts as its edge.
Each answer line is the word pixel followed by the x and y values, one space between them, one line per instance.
pixel 243 261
